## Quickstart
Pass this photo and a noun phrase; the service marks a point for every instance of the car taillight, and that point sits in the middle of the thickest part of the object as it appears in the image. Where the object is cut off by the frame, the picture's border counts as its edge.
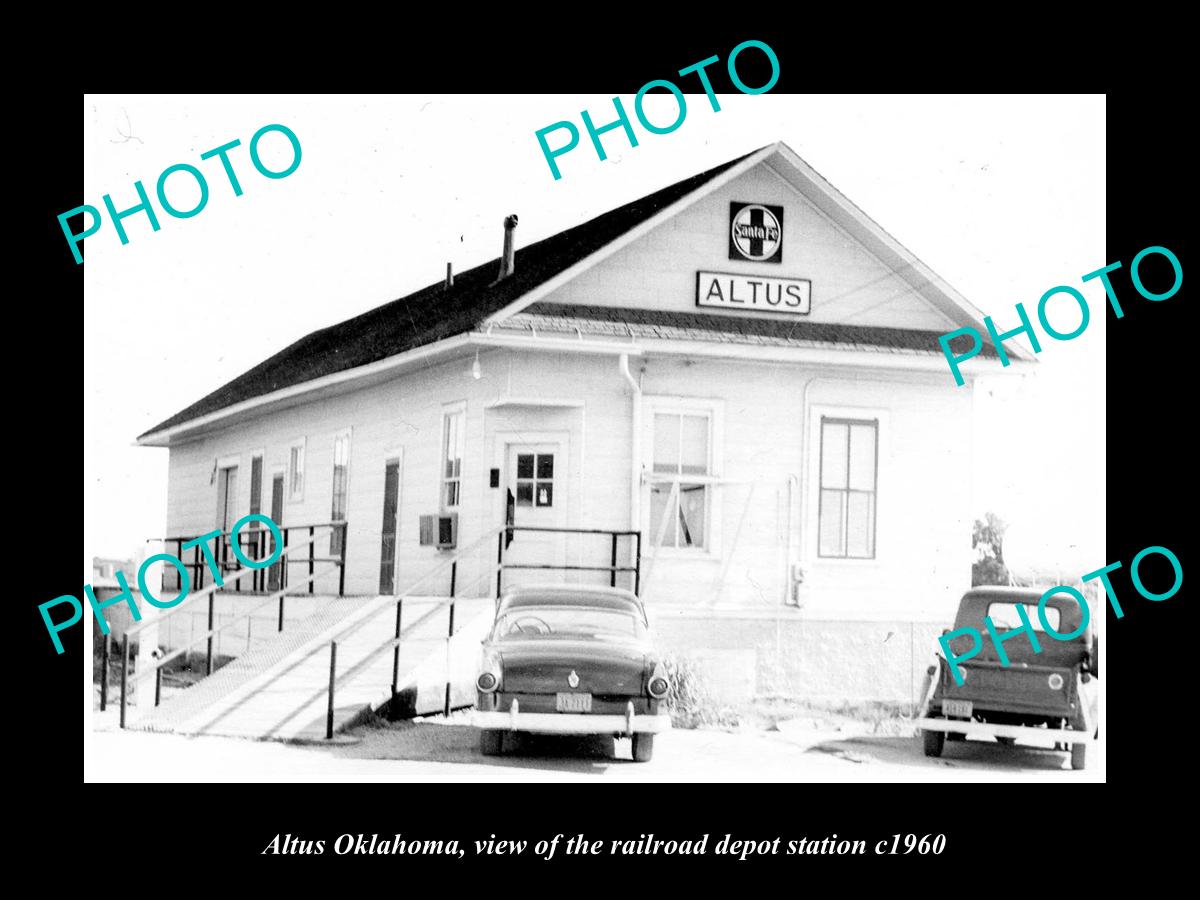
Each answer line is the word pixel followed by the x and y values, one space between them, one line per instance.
pixel 489 675
pixel 658 684
pixel 1055 681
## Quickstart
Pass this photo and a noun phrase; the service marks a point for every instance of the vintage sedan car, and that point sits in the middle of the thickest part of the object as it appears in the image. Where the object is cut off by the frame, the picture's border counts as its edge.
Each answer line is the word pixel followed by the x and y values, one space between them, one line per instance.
pixel 1039 697
pixel 568 659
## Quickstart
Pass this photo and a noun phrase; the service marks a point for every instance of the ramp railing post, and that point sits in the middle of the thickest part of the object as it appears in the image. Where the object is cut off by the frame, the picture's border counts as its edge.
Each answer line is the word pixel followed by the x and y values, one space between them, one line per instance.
pixel 124 676
pixel 499 562
pixel 612 580
pixel 332 677
pixel 450 632
pixel 342 562
pixel 312 546
pixel 104 674
pixel 637 566
pixel 396 650
pixel 208 657
pixel 157 685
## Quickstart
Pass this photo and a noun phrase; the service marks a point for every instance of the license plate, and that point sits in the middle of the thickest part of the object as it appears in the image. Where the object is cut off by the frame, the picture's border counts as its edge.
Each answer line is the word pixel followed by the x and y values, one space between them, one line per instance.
pixel 960 709
pixel 574 702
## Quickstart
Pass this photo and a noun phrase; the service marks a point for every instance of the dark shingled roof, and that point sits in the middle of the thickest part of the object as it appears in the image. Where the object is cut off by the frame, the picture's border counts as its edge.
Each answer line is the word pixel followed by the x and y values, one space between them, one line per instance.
pixel 770 330
pixel 432 313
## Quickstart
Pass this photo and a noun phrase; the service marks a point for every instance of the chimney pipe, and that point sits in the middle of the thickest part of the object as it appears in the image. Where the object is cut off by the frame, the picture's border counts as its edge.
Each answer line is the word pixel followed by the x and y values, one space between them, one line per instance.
pixel 449 278
pixel 508 257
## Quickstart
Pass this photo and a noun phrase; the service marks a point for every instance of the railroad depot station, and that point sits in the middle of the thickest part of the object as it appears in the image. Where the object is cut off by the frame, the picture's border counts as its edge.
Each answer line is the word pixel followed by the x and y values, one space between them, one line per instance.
pixel 727 395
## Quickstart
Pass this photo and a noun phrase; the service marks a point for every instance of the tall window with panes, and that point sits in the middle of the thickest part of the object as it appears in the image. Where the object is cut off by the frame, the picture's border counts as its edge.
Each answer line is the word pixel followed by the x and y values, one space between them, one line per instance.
pixel 681 448
pixel 341 476
pixel 453 440
pixel 849 458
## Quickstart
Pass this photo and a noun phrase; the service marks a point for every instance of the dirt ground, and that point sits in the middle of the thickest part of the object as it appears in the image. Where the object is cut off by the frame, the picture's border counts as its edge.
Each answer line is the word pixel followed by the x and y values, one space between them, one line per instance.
pixel 448 750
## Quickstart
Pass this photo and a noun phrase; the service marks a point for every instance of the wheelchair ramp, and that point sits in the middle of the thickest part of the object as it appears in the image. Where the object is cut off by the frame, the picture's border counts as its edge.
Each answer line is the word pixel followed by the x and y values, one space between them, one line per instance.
pixel 279 690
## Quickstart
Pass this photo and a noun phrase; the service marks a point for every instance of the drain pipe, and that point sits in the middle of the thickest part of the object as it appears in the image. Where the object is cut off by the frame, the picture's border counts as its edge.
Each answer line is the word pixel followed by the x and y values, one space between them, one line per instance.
pixel 804 478
pixel 635 445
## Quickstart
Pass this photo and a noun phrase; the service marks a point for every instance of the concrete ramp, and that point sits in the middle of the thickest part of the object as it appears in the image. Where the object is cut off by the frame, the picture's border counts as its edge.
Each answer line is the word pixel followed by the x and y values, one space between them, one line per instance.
pixel 279 690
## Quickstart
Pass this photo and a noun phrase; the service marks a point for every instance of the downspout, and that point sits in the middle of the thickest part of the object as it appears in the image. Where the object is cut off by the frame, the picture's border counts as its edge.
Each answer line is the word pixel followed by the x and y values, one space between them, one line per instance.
pixel 635 445
pixel 804 479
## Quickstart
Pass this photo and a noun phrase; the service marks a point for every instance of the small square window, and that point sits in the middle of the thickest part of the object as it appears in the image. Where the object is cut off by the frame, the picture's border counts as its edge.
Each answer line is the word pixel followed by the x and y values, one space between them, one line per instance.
pixel 524 465
pixel 545 465
pixel 545 493
pixel 524 493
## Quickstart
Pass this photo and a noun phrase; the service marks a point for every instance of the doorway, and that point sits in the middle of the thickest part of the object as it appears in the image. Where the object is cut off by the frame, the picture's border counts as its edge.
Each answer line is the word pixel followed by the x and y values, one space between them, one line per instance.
pixel 387 545
pixel 275 575
pixel 536 475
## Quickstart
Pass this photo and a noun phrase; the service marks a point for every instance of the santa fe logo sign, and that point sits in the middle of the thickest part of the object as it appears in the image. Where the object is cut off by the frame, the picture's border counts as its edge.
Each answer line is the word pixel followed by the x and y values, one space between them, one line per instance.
pixel 756 232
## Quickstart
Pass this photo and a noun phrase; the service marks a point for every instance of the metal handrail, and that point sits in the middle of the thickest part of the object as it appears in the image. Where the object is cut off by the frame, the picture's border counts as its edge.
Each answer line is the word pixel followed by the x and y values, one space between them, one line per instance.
pixel 157 665
pixel 498 569
pixel 233 577
pixel 394 643
pixel 199 563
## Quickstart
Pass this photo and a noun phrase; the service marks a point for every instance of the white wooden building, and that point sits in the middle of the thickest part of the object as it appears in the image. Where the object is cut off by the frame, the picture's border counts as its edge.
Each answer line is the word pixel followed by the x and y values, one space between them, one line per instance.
pixel 743 367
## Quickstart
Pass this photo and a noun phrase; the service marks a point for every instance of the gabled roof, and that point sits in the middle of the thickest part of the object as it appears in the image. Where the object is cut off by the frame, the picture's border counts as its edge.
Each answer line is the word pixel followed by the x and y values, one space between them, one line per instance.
pixel 434 313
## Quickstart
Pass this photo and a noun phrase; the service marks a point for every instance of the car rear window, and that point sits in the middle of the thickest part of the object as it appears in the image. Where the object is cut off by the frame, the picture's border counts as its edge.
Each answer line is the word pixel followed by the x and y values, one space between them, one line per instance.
pixel 1005 615
pixel 574 622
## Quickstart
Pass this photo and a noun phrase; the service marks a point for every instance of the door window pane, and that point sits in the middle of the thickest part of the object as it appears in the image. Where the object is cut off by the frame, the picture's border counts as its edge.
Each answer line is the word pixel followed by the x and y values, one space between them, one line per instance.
pixel 524 465
pixel 531 490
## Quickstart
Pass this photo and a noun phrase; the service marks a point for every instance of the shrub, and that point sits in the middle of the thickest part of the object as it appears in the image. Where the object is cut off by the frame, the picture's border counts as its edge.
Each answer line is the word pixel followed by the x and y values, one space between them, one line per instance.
pixel 688 701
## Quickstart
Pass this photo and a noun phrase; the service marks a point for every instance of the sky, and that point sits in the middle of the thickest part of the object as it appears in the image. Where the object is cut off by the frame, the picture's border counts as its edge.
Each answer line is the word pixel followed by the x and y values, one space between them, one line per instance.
pixel 1003 196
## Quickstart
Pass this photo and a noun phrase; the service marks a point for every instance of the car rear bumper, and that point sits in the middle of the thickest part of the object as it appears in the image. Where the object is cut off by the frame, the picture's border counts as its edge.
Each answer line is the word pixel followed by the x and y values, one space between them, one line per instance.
pixel 513 719
pixel 1016 732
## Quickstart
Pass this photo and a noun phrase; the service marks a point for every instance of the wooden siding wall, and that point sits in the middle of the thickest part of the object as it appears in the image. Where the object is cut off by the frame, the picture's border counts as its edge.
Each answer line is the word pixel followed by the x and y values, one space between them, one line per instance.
pixel 924 468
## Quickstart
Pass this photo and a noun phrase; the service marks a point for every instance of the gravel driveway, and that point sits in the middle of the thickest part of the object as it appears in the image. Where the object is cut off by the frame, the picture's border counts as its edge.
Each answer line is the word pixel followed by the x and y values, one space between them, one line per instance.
pixel 449 751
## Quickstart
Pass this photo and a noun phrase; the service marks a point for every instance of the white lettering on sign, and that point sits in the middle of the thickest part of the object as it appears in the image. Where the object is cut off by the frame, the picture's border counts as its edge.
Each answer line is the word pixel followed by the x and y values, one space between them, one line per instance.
pixel 758 293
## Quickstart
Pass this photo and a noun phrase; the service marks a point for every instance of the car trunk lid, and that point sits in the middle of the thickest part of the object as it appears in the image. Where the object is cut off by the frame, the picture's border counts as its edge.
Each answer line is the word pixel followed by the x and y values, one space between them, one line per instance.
pixel 546 666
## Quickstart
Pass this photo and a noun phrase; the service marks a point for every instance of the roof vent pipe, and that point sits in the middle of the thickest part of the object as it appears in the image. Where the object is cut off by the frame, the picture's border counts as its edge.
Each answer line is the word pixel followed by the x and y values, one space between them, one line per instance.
pixel 449 277
pixel 508 257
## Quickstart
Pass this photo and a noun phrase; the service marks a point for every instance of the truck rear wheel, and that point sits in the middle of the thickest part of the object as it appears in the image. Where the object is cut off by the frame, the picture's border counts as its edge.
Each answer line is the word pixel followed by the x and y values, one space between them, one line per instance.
pixel 643 746
pixel 934 741
pixel 491 742
pixel 1078 755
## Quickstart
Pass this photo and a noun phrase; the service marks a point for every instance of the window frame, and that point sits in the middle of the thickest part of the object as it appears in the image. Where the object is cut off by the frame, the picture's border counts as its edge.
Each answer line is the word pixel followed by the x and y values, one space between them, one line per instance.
pixel 812 518
pixel 294 495
pixel 261 455
pixel 874 492
pixel 714 409
pixel 458 408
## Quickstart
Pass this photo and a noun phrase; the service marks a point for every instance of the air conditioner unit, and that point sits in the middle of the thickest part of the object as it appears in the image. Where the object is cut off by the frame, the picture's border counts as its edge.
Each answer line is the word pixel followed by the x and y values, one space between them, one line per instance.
pixel 440 531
